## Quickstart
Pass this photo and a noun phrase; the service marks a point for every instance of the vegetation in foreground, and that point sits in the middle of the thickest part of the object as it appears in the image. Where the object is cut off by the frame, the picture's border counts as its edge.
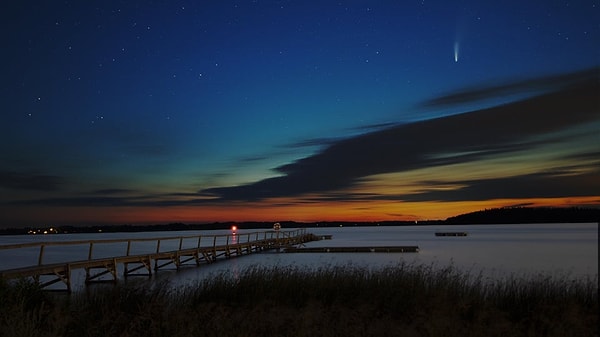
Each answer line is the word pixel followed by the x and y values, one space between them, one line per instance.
pixel 402 300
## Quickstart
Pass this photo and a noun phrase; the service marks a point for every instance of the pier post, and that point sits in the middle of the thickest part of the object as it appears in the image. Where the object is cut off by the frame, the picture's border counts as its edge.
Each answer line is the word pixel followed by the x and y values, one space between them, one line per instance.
pixel 157 251
pixel 41 257
pixel 197 256
pixel 90 250
pixel 227 252
pixel 214 250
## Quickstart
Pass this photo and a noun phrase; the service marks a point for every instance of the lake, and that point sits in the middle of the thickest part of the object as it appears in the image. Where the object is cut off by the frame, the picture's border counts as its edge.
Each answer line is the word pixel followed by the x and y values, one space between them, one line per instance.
pixel 495 251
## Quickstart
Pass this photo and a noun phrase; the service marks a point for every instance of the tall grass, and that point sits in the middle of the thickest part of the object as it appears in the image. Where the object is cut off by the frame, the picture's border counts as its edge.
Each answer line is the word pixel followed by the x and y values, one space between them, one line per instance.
pixel 399 300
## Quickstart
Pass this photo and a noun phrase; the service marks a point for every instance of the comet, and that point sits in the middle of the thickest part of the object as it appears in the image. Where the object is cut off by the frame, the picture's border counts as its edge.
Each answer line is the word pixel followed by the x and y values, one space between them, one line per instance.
pixel 456 51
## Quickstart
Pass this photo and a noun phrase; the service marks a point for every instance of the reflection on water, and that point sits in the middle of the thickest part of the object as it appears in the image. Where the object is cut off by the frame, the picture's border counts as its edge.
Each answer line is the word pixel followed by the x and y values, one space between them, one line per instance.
pixel 495 250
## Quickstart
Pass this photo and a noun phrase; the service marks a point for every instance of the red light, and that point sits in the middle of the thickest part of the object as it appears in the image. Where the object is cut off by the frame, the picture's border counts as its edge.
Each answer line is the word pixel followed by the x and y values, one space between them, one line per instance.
pixel 233 228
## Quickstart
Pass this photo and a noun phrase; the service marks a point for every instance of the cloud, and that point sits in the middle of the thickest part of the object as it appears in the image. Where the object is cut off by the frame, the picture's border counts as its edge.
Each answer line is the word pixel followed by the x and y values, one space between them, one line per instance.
pixel 372 127
pixel 555 184
pixel 319 142
pixel 470 95
pixel 469 136
pixel 115 198
pixel 112 191
pixel 326 141
pixel 29 181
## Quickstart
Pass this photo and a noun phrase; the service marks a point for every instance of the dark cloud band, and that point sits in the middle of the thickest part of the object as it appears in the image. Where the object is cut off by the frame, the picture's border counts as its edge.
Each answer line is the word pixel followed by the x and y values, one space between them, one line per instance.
pixel 502 129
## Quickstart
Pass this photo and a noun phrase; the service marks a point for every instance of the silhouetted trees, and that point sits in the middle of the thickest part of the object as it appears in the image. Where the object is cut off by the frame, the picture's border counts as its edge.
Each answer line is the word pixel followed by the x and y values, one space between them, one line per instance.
pixel 513 215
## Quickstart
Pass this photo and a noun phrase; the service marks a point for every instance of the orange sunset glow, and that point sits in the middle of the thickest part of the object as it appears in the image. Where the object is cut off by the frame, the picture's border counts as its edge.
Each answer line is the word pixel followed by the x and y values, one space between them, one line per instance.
pixel 307 212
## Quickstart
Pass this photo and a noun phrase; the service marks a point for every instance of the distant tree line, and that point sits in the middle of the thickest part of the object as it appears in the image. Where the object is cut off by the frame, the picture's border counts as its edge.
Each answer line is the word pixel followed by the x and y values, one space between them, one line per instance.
pixel 202 226
pixel 505 215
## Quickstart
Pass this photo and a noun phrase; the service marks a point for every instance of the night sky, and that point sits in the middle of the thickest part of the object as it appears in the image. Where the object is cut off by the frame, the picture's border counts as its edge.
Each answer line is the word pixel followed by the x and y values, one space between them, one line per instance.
pixel 201 111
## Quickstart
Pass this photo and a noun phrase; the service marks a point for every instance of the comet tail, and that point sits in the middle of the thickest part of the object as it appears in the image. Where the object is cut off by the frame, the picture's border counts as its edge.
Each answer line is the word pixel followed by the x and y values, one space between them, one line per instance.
pixel 456 51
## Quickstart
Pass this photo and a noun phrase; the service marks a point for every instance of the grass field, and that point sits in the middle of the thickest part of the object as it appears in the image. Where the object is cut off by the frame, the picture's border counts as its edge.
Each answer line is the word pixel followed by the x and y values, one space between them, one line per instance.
pixel 400 300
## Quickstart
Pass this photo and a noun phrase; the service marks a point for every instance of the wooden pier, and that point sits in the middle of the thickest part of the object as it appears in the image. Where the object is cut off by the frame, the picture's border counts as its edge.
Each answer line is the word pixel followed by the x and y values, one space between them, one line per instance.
pixel 193 250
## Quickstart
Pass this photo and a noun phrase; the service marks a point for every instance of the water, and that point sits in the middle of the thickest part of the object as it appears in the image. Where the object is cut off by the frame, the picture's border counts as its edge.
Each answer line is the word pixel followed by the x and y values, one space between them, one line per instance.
pixel 497 251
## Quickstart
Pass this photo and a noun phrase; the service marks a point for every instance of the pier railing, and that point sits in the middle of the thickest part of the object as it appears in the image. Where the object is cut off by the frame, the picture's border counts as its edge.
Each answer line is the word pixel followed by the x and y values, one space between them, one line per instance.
pixel 145 254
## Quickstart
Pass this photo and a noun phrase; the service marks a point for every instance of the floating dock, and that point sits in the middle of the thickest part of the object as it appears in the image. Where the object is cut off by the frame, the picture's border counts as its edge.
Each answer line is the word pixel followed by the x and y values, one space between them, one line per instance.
pixel 367 249
pixel 451 234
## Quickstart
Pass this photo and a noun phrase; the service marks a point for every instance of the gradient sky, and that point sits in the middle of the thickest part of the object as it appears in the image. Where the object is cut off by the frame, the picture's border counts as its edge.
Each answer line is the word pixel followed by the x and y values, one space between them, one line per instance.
pixel 202 111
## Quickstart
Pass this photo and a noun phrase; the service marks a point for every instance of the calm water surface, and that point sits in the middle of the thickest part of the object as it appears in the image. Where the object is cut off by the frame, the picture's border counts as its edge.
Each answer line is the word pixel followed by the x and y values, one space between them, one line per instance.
pixel 496 251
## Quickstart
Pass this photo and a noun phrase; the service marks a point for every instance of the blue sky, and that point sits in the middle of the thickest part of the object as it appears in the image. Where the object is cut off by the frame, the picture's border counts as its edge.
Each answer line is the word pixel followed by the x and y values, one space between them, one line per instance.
pixel 159 111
